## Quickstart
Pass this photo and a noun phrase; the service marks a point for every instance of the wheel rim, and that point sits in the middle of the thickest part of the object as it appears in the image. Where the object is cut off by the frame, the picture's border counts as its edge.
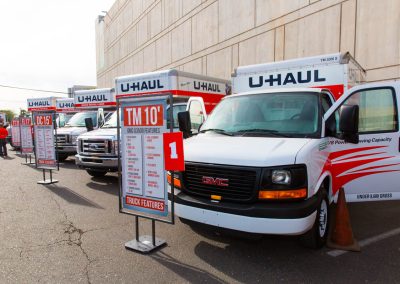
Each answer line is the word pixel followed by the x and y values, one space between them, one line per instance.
pixel 323 218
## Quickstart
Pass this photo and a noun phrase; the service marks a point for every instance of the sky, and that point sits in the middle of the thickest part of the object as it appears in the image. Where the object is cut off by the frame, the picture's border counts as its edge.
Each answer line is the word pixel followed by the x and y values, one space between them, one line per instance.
pixel 47 45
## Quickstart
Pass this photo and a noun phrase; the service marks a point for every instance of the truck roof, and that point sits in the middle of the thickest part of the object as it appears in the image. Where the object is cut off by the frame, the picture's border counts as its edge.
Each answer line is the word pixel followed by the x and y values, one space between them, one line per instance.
pixel 170 81
pixel 326 59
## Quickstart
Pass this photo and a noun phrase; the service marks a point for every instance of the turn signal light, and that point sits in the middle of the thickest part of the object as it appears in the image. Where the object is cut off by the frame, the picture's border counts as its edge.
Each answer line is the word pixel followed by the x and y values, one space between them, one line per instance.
pixel 177 182
pixel 282 194
pixel 216 197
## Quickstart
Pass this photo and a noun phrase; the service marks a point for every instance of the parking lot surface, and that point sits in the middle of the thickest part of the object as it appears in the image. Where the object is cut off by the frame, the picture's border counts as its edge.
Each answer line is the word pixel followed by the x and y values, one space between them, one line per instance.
pixel 72 231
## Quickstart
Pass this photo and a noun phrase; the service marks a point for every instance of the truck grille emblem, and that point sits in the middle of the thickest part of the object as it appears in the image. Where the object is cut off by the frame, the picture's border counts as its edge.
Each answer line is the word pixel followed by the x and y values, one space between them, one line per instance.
pixel 215 181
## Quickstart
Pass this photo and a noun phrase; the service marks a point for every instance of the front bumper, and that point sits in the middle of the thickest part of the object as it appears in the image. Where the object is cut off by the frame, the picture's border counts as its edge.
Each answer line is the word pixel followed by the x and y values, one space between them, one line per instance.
pixel 289 218
pixel 95 162
pixel 67 149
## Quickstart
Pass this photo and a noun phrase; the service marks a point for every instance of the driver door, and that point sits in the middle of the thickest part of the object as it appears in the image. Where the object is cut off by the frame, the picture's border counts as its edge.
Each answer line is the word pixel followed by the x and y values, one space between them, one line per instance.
pixel 369 170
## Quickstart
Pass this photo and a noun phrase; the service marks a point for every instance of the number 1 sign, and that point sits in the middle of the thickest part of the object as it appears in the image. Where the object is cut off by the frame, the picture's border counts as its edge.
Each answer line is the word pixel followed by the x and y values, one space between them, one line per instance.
pixel 173 151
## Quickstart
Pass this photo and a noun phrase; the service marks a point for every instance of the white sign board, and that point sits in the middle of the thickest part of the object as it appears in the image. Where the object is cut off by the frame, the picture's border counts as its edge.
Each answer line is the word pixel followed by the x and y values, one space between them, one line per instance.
pixel 15 133
pixel 26 135
pixel 144 189
pixel 94 98
pixel 44 141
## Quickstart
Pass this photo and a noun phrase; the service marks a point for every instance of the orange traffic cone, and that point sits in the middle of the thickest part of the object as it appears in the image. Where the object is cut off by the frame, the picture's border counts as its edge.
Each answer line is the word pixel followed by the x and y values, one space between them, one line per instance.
pixel 341 236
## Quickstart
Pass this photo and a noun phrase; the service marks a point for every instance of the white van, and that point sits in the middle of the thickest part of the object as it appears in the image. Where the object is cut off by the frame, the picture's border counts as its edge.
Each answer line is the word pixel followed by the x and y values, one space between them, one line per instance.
pixel 270 159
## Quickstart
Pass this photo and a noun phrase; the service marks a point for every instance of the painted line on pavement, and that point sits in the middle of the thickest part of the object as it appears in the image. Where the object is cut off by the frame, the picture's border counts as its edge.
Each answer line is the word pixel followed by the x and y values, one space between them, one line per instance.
pixel 367 242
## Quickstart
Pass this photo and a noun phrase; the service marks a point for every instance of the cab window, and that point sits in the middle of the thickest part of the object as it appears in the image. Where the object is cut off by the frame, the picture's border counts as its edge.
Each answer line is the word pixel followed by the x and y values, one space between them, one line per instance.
pixel 196 114
pixel 377 110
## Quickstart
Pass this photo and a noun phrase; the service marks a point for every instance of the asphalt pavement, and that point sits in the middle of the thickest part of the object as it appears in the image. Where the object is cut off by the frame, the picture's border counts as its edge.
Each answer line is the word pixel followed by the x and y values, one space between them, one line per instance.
pixel 72 232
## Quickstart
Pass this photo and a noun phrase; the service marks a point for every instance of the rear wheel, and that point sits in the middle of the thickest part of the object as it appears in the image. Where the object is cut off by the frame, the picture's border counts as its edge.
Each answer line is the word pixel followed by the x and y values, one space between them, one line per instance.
pixel 95 173
pixel 316 237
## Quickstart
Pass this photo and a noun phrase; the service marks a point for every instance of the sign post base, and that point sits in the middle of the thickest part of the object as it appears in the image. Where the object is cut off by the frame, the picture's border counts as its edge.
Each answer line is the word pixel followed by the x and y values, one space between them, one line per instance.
pixel 30 161
pixel 47 181
pixel 145 244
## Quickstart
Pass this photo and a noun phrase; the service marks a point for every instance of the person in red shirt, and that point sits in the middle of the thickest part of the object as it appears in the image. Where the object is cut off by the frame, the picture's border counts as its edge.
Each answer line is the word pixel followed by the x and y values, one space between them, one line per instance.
pixel 3 140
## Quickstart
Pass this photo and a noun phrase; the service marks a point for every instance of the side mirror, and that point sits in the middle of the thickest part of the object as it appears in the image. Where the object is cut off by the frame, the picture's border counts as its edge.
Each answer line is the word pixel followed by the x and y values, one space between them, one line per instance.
pixel 184 123
pixel 89 124
pixel 348 123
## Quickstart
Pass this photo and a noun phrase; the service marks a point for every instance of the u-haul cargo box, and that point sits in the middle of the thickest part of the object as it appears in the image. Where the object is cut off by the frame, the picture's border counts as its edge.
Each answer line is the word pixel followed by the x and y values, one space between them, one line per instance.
pixel 336 72
pixel 65 105
pixel 42 104
pixel 177 83
pixel 95 98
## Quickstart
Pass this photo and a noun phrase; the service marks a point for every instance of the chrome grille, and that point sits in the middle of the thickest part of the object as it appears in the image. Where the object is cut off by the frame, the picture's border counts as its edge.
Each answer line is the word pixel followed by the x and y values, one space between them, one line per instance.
pixel 62 139
pixel 95 146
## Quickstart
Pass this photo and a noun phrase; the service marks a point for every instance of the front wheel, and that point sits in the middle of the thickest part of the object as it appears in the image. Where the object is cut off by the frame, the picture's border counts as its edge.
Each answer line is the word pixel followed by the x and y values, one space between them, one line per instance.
pixel 96 173
pixel 316 237
pixel 62 157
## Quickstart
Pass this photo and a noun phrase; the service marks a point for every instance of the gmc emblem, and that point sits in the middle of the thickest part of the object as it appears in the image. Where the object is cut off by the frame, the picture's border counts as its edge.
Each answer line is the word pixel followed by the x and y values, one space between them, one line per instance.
pixel 215 181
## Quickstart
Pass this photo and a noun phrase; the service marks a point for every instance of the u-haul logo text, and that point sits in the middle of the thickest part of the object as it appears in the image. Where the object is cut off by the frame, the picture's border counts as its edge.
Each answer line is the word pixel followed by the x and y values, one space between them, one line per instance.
pixel 290 78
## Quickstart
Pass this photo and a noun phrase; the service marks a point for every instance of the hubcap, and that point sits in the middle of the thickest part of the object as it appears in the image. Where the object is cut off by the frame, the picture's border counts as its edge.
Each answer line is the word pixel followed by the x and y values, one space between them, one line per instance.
pixel 323 218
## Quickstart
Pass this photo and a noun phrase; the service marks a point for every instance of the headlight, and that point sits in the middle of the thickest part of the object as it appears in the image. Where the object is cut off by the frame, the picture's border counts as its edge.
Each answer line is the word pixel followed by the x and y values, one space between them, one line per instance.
pixel 115 146
pixel 74 138
pixel 286 182
pixel 281 177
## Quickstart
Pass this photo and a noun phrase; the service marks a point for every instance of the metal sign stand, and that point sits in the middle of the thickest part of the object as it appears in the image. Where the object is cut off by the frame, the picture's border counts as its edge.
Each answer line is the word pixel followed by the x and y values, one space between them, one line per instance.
pixel 30 160
pixel 47 181
pixel 146 243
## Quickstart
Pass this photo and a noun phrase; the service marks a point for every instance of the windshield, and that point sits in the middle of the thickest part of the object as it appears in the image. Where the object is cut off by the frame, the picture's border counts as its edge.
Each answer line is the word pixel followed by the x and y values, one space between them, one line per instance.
pixel 78 119
pixel 176 110
pixel 112 121
pixel 273 114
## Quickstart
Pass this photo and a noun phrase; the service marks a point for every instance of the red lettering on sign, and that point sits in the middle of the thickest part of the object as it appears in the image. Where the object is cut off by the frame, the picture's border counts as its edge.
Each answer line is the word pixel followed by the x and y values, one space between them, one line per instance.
pixel 145 203
pixel 152 115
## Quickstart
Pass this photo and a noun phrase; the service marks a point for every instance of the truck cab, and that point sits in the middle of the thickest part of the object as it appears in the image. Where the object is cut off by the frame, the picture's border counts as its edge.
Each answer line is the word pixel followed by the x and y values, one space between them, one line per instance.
pixel 267 167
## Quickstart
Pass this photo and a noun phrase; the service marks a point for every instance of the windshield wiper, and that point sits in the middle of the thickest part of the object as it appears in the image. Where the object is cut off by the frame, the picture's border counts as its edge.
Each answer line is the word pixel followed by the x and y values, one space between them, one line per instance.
pixel 216 130
pixel 262 131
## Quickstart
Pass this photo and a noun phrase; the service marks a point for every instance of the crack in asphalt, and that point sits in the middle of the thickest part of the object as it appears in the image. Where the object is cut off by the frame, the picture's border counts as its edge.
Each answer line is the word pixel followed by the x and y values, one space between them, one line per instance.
pixel 74 237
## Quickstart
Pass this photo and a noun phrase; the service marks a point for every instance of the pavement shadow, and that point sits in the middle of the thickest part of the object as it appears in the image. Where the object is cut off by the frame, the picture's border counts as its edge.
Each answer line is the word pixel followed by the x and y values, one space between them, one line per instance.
pixel 69 164
pixel 72 197
pixel 190 273
pixel 106 184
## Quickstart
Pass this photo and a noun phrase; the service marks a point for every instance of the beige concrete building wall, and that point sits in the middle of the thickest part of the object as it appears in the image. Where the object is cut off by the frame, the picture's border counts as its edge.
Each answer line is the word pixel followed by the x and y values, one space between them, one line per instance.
pixel 212 37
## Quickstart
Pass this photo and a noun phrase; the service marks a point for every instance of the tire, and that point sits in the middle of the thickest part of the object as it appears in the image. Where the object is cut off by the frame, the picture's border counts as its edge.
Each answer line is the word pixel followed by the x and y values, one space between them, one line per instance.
pixel 94 173
pixel 316 237
pixel 62 157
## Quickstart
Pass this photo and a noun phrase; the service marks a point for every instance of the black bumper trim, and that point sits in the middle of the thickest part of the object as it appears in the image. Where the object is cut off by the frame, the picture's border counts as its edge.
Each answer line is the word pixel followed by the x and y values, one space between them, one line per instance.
pixel 274 210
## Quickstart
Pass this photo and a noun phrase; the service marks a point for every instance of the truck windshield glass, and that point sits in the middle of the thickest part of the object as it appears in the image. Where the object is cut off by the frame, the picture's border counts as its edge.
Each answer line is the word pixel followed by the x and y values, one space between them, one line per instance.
pixel 273 114
pixel 112 121
pixel 78 120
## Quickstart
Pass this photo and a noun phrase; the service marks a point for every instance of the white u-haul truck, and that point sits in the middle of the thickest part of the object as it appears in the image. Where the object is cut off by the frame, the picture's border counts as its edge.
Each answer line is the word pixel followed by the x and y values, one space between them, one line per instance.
pixel 270 159
pixel 95 105
pixel 98 150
